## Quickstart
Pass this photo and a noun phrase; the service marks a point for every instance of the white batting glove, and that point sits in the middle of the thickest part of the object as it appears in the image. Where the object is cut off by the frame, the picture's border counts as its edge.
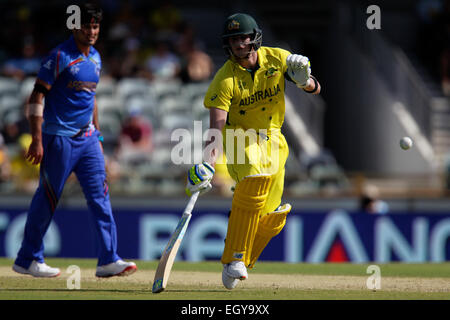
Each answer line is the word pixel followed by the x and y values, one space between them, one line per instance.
pixel 199 178
pixel 299 69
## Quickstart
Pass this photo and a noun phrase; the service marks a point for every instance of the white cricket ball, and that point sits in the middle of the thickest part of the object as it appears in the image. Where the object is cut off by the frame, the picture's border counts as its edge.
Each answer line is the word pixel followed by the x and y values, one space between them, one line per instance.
pixel 406 143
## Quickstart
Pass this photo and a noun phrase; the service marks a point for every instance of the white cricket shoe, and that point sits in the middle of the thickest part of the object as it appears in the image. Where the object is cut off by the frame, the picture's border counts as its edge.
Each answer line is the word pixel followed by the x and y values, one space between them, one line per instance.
pixel 38 269
pixel 232 273
pixel 118 268
pixel 229 282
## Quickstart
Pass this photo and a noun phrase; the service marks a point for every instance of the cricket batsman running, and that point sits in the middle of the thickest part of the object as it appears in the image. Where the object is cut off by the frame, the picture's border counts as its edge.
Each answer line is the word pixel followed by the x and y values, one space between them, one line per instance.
pixel 246 99
pixel 65 139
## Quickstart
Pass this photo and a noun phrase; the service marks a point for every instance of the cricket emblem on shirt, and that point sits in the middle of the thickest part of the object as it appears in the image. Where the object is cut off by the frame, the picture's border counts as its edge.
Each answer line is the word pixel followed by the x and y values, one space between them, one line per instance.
pixel 271 73
pixel 74 70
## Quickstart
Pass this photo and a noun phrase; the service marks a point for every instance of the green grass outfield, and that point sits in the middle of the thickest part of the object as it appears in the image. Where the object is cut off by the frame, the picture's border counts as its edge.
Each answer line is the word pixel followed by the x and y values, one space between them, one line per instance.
pixel 202 281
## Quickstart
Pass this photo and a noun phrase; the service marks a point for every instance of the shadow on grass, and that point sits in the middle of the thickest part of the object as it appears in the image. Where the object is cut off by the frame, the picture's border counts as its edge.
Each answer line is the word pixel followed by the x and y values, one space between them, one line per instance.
pixel 75 290
pixel 106 290
pixel 192 290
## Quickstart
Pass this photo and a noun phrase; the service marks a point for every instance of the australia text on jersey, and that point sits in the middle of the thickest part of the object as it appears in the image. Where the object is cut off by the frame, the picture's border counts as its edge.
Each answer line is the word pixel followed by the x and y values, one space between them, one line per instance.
pixel 259 95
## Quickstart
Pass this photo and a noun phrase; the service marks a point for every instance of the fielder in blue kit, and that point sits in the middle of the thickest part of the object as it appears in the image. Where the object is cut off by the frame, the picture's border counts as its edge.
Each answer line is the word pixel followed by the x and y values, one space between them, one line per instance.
pixel 66 139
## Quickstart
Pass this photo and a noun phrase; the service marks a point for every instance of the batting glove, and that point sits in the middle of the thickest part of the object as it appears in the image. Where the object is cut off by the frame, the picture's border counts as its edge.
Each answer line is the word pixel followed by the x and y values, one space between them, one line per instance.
pixel 299 69
pixel 199 178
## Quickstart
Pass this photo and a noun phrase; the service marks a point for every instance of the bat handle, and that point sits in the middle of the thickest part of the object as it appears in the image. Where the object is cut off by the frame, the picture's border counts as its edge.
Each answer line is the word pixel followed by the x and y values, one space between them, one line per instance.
pixel 191 202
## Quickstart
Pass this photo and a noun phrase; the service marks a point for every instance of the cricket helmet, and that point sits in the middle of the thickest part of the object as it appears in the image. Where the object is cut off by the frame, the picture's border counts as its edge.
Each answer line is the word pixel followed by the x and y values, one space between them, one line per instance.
pixel 240 24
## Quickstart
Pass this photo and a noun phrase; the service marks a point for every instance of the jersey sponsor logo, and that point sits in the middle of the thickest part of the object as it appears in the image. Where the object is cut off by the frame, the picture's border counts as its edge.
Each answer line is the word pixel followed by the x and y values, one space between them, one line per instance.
pixel 260 95
pixel 88 86
pixel 238 255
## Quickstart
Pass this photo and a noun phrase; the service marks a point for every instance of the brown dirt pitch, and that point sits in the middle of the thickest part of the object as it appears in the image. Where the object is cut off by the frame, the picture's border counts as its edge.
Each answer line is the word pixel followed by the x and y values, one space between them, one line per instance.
pixel 190 284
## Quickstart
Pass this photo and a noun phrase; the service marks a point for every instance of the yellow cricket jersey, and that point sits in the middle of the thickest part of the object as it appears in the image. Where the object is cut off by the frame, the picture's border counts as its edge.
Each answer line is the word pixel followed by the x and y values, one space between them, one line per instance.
pixel 253 101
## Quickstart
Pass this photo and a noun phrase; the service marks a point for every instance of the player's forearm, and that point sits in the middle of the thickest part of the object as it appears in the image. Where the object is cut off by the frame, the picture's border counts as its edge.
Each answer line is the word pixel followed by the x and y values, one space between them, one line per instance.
pixel 217 120
pixel 95 116
pixel 34 116
pixel 35 123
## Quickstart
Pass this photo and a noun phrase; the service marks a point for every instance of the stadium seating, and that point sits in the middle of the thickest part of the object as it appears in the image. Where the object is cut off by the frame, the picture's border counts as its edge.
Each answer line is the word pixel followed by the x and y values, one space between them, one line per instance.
pixel 191 91
pixel 10 105
pixel 26 86
pixel 9 86
pixel 161 89
pixel 106 87
pixel 131 86
pixel 110 126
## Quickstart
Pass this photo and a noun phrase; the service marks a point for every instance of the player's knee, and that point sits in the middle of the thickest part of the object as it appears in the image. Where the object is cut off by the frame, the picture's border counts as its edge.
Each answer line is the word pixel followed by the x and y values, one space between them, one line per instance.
pixel 272 223
pixel 96 188
pixel 252 192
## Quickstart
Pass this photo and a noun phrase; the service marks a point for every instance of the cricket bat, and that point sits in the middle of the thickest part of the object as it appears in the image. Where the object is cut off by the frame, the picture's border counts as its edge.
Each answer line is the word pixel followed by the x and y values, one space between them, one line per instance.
pixel 170 252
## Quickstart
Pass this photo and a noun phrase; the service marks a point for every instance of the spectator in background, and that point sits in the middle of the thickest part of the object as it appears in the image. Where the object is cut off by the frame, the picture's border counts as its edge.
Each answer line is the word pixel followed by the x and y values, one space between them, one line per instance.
pixel 370 202
pixel 445 53
pixel 135 140
pixel 116 43
pixel 196 65
pixel 129 65
pixel 14 125
pixel 165 20
pixel 429 10
pixel 434 36
pixel 27 64
pixel 24 174
pixel 445 71
pixel 5 165
pixel 163 64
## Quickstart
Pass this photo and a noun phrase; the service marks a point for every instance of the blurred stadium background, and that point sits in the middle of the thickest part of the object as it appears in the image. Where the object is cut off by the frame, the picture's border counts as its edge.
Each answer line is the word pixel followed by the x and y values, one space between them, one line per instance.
pixel 158 59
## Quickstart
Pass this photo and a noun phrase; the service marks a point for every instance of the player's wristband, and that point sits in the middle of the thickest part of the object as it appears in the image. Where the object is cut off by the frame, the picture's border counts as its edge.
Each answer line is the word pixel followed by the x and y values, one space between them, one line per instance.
pixel 40 88
pixel 100 138
pixel 316 86
pixel 34 109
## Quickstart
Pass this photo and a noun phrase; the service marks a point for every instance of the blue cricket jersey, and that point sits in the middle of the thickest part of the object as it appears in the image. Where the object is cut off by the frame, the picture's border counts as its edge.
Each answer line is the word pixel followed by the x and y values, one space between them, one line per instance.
pixel 69 104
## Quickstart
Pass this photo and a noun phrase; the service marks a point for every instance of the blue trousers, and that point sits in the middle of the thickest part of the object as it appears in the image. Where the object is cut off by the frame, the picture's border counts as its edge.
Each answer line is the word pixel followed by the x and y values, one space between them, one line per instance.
pixel 62 156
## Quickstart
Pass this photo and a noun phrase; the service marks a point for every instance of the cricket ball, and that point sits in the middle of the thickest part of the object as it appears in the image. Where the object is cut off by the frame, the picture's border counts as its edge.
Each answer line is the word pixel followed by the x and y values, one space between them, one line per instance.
pixel 406 143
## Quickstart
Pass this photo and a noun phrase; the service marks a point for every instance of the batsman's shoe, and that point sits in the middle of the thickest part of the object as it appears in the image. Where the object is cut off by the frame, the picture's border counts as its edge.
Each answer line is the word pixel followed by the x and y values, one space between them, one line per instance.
pixel 236 270
pixel 118 268
pixel 232 272
pixel 37 269
pixel 229 282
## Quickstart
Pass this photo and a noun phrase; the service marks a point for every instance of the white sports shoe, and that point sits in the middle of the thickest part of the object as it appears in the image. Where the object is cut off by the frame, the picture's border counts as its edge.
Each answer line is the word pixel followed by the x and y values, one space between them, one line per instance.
pixel 229 282
pixel 38 269
pixel 118 268
pixel 232 273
